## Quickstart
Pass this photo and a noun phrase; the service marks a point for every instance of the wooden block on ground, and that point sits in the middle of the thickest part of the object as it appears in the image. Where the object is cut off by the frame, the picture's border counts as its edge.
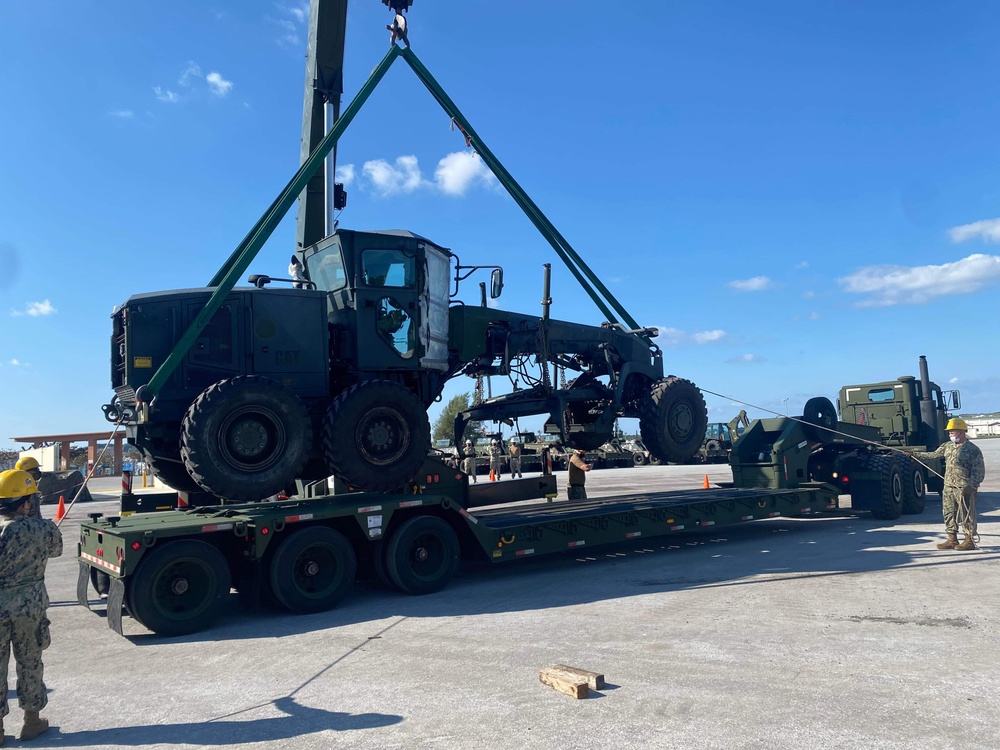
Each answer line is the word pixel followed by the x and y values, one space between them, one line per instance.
pixel 594 680
pixel 564 683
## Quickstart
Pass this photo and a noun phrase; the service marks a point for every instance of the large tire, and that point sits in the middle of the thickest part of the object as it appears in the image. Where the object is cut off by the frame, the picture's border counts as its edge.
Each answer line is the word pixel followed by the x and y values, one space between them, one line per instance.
pixel 639 458
pixel 312 570
pixel 171 472
pixel 673 420
pixel 891 487
pixel 422 555
pixel 914 487
pixel 179 588
pixel 246 438
pixel 820 412
pixel 376 435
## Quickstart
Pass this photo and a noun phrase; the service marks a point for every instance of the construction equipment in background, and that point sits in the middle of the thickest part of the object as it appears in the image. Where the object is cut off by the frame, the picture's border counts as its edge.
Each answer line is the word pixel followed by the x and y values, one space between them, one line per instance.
pixel 719 439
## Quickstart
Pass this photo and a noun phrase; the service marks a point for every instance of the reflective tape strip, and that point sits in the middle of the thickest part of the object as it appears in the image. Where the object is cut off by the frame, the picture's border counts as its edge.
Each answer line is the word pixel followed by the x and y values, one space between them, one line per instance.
pixel 773 515
pixel 746 518
pixel 633 534
pixel 806 510
pixel 577 544
pixel 522 552
pixel 293 519
pixel 411 503
pixel 370 509
pixel 101 563
pixel 707 523
pixel 216 527
pixel 676 528
pixel 468 515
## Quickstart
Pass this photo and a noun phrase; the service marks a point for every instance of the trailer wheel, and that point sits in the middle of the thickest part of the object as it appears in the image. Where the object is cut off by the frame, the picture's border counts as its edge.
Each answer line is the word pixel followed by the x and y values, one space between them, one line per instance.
pixel 914 488
pixel 673 420
pixel 376 435
pixel 179 588
pixel 246 438
pixel 638 459
pixel 891 485
pixel 101 582
pixel 312 570
pixel 422 555
pixel 819 412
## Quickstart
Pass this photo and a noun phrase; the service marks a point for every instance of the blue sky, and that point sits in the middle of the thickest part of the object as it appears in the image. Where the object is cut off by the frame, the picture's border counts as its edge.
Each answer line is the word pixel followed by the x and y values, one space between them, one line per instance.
pixel 798 194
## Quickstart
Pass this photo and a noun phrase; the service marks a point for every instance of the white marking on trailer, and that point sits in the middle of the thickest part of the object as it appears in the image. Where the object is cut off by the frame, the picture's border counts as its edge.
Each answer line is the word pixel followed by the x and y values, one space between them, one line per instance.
pixel 410 503
pixel 216 527
pixel 806 510
pixel 101 562
pixel 707 523
pixel 374 521
pixel 633 534
pixel 521 552
pixel 802 445
pixel 468 515
pixel 773 515
pixel 370 509
pixel 676 528
pixel 848 391
pixel 579 543
pixel 746 518
pixel 303 517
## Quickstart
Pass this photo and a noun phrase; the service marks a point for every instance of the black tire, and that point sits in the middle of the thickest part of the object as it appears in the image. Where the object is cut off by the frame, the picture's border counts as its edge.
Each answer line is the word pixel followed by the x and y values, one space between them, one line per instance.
pixel 376 435
pixel 820 412
pixel 422 555
pixel 179 588
pixel 378 565
pixel 891 487
pixel 246 438
pixel 914 487
pixel 639 459
pixel 171 471
pixel 673 420
pixel 312 570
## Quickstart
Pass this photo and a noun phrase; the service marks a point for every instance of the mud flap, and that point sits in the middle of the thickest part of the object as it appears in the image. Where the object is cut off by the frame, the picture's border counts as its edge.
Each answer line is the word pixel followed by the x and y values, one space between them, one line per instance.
pixel 83 586
pixel 116 602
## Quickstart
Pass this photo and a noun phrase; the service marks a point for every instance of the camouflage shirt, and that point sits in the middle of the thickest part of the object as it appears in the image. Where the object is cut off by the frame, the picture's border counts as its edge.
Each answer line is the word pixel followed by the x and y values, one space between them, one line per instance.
pixel 25 545
pixel 963 464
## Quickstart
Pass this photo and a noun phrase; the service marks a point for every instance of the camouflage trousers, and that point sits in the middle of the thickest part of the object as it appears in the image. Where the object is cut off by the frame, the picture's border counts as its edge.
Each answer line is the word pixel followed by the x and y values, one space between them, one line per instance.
pixel 469 467
pixel 515 465
pixel 28 636
pixel 959 506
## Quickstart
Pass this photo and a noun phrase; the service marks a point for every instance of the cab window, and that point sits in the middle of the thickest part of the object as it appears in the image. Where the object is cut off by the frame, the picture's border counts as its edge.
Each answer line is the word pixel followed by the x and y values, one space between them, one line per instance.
pixel 326 269
pixel 392 269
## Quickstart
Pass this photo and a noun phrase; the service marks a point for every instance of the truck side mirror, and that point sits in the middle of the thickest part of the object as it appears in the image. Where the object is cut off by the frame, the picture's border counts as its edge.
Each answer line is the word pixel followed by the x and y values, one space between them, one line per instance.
pixel 496 283
pixel 952 400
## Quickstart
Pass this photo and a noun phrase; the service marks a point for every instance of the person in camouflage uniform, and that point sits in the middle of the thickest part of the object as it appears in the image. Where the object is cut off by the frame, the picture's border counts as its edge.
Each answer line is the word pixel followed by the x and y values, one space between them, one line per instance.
pixel 469 462
pixel 26 544
pixel 963 473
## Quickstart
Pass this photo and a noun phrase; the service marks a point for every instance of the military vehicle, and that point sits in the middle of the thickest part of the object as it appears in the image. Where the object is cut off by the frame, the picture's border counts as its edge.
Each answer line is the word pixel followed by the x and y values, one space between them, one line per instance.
pixel 239 391
pixel 719 439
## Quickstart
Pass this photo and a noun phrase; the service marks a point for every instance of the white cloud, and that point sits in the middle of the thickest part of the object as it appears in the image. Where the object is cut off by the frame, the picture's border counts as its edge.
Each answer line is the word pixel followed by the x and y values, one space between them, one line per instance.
pixel 747 359
pixel 218 85
pixel 669 336
pixel 300 12
pixel 953 381
pixel 708 337
pixel 756 284
pixel 124 114
pixel 191 70
pixel 808 294
pixel 388 179
pixel 457 171
pixel 898 285
pixel 165 95
pixel 802 264
pixel 35 310
pixel 18 363
pixel 988 230
pixel 345 174
pixel 288 35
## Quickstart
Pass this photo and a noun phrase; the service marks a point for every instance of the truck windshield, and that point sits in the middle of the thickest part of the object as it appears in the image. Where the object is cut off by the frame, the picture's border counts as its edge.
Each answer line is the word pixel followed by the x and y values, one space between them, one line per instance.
pixel 326 269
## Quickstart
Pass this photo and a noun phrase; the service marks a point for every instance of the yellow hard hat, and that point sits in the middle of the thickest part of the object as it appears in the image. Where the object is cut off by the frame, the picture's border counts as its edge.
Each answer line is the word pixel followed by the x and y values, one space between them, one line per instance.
pixel 957 423
pixel 15 483
pixel 27 463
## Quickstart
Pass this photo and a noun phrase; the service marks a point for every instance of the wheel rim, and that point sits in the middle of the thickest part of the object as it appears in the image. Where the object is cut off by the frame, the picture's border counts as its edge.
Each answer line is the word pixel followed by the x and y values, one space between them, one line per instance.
pixel 897 488
pixel 252 438
pixel 317 571
pixel 426 558
pixel 680 421
pixel 382 436
pixel 918 485
pixel 184 589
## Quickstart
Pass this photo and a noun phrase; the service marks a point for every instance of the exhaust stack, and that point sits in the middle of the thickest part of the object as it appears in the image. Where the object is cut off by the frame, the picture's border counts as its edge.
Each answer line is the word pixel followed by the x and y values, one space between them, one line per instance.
pixel 928 414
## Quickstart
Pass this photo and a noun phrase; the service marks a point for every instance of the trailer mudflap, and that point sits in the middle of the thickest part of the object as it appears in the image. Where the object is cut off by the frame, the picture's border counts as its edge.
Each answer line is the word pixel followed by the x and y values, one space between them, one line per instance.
pixel 116 604
pixel 83 585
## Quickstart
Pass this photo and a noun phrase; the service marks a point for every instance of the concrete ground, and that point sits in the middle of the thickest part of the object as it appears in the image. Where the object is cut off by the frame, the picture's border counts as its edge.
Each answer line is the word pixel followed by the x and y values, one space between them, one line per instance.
pixel 835 631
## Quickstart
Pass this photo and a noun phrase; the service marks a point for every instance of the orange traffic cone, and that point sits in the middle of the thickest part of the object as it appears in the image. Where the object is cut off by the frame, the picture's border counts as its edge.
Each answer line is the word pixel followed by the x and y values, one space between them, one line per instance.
pixel 493 475
pixel 705 485
pixel 61 510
